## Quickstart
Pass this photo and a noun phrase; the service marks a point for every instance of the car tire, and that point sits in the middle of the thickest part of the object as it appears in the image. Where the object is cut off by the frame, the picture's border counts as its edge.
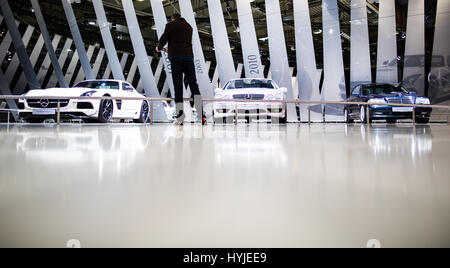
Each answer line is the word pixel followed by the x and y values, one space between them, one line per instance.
pixel 144 113
pixel 362 115
pixel 422 120
pixel 105 111
pixel 347 117
pixel 391 120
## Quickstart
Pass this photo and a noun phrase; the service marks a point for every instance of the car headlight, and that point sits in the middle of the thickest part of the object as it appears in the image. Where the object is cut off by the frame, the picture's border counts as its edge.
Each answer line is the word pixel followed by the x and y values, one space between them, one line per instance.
pixel 88 94
pixel 422 100
pixel 269 97
pixel 278 96
pixel 377 101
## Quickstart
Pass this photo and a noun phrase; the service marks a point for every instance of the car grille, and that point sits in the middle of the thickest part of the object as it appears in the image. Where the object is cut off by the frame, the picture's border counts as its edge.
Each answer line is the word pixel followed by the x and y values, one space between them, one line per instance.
pixel 45 103
pixel 400 100
pixel 248 97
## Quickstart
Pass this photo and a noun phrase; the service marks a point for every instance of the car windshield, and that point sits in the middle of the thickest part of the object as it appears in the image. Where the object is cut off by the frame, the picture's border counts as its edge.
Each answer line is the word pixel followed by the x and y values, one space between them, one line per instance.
pixel 383 89
pixel 99 84
pixel 250 83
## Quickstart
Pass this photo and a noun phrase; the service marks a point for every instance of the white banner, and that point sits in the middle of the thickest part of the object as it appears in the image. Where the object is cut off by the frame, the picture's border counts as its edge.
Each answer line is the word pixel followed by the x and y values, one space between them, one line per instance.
pixel 222 47
pixel 199 59
pixel 43 70
pixel 334 80
pixel 70 73
pixel 37 49
pixel 61 60
pixel 249 43
pixel 279 63
pixel 360 66
pixel 308 80
pixel 387 71
pixel 81 74
pixel 414 62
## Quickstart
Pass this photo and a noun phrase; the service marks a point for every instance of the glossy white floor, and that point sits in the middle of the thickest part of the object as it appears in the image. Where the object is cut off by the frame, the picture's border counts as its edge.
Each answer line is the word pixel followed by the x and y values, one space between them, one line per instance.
pixel 225 186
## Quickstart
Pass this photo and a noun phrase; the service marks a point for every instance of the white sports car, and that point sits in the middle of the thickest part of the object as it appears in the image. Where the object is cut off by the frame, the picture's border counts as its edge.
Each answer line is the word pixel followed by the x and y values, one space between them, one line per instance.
pixel 250 89
pixel 41 108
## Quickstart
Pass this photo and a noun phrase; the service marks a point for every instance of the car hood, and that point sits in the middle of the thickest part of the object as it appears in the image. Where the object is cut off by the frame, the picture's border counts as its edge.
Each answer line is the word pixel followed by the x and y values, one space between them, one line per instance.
pixel 63 92
pixel 264 91
pixel 393 95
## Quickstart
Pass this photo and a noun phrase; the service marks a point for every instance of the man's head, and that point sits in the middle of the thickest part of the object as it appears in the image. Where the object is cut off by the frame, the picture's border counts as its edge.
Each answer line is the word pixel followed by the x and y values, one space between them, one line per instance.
pixel 175 16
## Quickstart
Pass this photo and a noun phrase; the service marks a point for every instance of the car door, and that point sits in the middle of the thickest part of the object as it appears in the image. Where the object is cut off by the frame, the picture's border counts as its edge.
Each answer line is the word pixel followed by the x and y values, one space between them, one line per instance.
pixel 131 106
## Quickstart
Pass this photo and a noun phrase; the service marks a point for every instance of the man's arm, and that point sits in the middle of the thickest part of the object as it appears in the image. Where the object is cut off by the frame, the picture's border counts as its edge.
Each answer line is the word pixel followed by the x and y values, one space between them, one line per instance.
pixel 163 40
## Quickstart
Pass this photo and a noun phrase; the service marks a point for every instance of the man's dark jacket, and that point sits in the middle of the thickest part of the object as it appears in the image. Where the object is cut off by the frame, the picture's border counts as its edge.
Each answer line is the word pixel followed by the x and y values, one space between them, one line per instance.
pixel 178 34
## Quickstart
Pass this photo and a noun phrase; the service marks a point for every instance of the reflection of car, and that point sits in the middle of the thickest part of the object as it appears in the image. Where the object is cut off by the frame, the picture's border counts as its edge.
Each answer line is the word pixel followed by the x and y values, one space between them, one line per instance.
pixel 380 95
pixel 250 89
pixel 41 108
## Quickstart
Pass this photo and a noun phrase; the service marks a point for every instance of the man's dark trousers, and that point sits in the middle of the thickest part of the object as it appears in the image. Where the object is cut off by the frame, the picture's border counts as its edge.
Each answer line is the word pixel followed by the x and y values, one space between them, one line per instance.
pixel 180 66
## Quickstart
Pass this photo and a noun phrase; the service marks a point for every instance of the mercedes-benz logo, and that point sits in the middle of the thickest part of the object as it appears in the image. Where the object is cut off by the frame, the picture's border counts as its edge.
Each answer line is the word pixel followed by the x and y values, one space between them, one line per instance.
pixel 248 97
pixel 44 103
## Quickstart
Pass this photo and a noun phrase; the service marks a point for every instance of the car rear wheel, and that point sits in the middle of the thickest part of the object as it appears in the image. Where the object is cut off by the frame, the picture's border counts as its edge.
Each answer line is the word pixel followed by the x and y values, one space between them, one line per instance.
pixel 144 114
pixel 347 117
pixel 105 111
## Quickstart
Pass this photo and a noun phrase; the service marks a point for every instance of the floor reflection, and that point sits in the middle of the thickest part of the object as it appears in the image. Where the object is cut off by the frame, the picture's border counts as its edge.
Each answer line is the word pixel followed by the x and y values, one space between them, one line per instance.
pixel 225 186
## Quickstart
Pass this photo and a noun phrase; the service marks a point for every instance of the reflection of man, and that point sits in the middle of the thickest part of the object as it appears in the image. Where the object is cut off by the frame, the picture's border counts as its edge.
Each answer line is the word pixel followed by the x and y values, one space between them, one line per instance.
pixel 178 34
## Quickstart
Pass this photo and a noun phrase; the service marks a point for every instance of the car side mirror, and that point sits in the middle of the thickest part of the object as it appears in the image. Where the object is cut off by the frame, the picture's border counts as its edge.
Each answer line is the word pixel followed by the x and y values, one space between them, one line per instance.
pixel 283 90
pixel 386 62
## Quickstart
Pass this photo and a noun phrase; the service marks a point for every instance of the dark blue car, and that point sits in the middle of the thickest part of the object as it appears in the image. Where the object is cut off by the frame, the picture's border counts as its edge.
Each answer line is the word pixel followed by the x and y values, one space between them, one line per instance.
pixel 380 95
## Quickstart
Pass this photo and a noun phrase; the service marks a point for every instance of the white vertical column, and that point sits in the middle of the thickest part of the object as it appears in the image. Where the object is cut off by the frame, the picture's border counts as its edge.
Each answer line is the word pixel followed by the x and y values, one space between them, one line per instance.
pixel 81 75
pixel 360 67
pixel 278 54
pixel 249 43
pixel 199 59
pixel 334 81
pixel 98 61
pixel 62 59
pixel 14 64
pixel 387 71
pixel 308 80
pixel 414 67
pixel 440 70
pixel 159 69
pixel 46 63
pixel 132 71
pixel 81 50
pixel 239 69
pixel 22 83
pixel 145 69
pixel 222 47
pixel 159 16
pixel 108 40
pixel 70 73
pixel 107 73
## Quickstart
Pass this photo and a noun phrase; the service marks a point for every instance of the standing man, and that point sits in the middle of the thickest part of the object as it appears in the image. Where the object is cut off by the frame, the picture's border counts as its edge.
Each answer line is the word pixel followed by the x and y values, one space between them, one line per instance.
pixel 178 34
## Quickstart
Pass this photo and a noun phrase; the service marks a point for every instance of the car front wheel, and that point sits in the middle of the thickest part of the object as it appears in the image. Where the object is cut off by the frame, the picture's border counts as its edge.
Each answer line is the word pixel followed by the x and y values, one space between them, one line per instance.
pixel 144 114
pixel 347 117
pixel 105 111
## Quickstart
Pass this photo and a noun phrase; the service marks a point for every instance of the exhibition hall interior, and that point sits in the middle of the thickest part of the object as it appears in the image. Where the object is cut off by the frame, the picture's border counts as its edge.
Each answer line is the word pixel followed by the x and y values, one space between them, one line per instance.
pixel 275 124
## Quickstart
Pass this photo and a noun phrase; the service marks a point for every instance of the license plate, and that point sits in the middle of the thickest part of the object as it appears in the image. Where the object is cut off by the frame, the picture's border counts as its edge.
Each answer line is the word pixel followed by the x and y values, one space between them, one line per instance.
pixel 402 109
pixel 44 112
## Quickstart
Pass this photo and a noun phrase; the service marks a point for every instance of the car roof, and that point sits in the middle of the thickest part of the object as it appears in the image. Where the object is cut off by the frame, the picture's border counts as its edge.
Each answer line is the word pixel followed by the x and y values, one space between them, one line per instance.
pixel 378 84
pixel 108 80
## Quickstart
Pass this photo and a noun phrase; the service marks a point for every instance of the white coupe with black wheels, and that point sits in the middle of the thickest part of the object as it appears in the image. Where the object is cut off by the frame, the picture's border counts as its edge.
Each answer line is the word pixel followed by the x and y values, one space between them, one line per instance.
pixel 90 110
pixel 253 89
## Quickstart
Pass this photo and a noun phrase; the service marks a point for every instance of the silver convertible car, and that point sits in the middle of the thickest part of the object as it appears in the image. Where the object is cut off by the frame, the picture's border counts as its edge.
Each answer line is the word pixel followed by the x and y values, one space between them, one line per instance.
pixel 253 89
pixel 42 107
